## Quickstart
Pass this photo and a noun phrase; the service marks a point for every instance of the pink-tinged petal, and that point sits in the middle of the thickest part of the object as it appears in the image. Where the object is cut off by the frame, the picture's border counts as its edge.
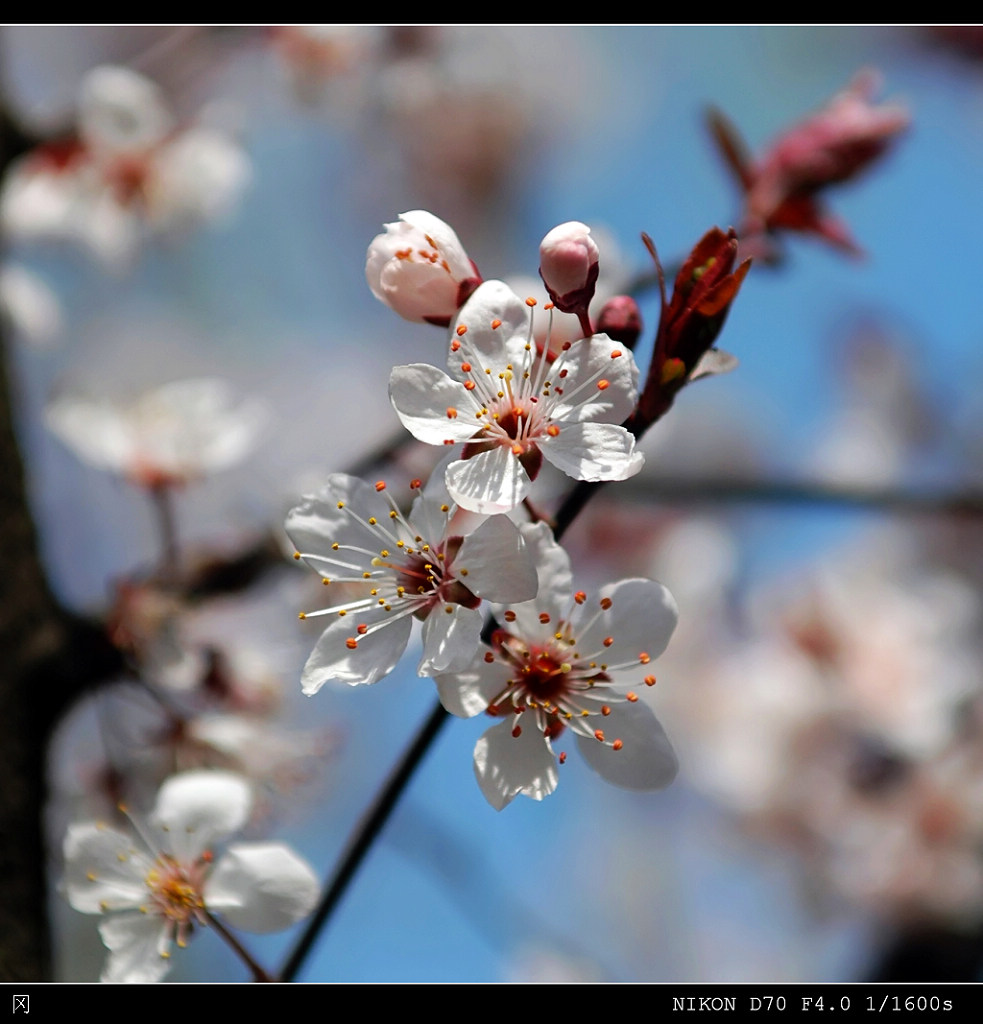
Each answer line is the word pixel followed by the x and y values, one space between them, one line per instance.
pixel 103 870
pixel 639 622
pixel 449 638
pixel 417 267
pixel 199 808
pixel 645 760
pixel 374 656
pixel 432 407
pixel 469 692
pixel 138 948
pixel 492 302
pixel 493 563
pixel 490 482
pixel 506 765
pixel 262 887
pixel 593 451
pixel 588 362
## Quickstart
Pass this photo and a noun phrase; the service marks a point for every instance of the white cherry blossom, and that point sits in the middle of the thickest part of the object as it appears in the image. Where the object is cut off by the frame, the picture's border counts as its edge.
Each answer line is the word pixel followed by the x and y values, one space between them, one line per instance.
pixel 514 405
pixel 156 889
pixel 170 435
pixel 419 268
pixel 568 661
pixel 389 568
pixel 129 170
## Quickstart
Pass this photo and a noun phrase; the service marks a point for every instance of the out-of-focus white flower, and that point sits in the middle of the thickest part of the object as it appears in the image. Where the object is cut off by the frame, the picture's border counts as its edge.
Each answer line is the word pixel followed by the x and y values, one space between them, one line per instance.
pixel 419 268
pixel 168 436
pixel 568 265
pixel 514 407
pixel 129 168
pixel 156 889
pixel 566 661
pixel 30 305
pixel 393 568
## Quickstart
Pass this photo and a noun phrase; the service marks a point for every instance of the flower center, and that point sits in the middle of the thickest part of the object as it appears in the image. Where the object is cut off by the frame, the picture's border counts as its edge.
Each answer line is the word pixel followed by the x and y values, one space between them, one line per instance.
pixel 176 890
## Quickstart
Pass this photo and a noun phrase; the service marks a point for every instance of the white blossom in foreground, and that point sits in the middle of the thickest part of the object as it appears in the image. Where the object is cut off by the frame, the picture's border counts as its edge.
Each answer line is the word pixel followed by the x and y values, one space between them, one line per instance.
pixel 513 406
pixel 129 168
pixel 568 661
pixel 419 268
pixel 156 889
pixel 391 568
pixel 169 436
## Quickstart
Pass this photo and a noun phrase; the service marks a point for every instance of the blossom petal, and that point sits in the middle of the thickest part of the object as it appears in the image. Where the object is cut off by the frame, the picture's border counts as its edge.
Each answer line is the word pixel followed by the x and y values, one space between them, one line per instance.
pixel 449 638
pixel 103 870
pixel 645 761
pixel 431 406
pixel 198 808
pixel 639 622
pixel 494 564
pixel 593 451
pixel 492 301
pixel 469 692
pixel 490 482
pixel 588 362
pixel 374 657
pixel 555 583
pixel 506 765
pixel 138 948
pixel 262 887
pixel 317 522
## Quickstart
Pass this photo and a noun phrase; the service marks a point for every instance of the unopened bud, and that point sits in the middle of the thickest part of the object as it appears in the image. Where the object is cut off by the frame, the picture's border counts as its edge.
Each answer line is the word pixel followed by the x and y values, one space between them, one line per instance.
pixel 621 320
pixel 568 263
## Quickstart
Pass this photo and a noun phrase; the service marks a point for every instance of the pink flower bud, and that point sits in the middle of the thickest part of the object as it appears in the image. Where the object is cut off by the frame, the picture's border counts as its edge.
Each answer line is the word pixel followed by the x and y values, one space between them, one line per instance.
pixel 568 266
pixel 419 268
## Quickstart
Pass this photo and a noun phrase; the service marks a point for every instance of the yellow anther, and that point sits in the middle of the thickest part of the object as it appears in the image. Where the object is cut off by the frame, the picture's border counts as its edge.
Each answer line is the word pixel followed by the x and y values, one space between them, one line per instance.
pixel 297 556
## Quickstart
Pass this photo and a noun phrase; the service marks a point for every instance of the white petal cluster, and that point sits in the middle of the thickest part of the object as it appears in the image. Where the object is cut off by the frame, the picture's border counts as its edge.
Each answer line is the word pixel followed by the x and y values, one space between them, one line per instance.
pixel 172 434
pixel 155 890
pixel 390 568
pixel 568 661
pixel 130 168
pixel 513 406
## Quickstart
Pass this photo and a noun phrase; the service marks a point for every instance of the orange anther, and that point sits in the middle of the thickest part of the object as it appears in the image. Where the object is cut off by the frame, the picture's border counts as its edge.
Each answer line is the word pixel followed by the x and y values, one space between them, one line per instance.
pixel 544 617
pixel 509 616
pixel 606 603
pixel 455 345
pixel 517 449
pixel 415 484
pixel 608 640
pixel 461 330
pixel 466 367
pixel 362 629
pixel 650 680
pixel 631 697
pixel 644 658
pixel 553 430
pixel 517 732
pixel 616 353
pixel 603 385
pixel 530 302
pixel 469 385
pixel 451 413
pixel 496 324
pixel 563 757
pixel 549 305
pixel 580 597
pixel 380 485
pixel 351 643
pixel 489 657
pixel 599 735
pixel 617 745
pixel 605 710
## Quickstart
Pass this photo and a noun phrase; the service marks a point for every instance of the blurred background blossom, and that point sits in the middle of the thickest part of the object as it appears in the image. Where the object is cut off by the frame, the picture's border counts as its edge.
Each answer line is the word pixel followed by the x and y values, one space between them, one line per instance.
pixel 823 686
